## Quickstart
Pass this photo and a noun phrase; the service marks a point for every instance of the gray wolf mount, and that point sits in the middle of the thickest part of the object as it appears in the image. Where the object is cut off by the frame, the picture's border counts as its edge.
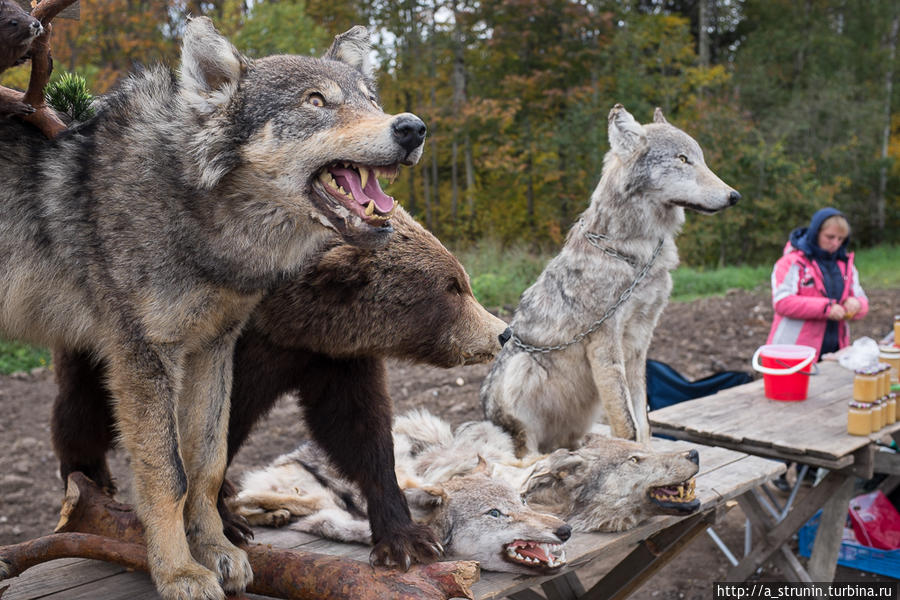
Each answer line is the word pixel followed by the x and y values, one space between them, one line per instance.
pixel 322 334
pixel 476 516
pixel 147 235
pixel 583 305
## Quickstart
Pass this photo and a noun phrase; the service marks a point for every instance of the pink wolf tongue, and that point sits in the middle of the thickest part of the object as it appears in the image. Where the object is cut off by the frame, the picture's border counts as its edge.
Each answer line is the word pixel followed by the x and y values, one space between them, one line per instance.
pixel 349 180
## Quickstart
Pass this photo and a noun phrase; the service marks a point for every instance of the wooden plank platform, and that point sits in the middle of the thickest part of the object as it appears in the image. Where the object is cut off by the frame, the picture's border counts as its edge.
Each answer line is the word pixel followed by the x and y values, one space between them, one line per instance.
pixel 813 431
pixel 724 475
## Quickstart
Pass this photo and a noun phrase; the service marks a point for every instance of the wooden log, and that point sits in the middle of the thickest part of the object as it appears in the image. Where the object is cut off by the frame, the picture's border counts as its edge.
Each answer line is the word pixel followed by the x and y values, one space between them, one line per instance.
pixel 93 525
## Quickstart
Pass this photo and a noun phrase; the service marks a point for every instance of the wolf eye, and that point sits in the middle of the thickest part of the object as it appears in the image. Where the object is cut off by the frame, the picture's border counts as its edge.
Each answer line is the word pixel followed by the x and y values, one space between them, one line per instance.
pixel 316 100
pixel 374 101
pixel 634 459
pixel 494 513
pixel 683 158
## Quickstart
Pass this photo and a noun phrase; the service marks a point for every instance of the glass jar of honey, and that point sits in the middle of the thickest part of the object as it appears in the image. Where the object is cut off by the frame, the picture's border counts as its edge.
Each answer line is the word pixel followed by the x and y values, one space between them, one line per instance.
pixel 891 356
pixel 877 415
pixel 897 330
pixel 865 385
pixel 859 418
pixel 891 406
pixel 884 382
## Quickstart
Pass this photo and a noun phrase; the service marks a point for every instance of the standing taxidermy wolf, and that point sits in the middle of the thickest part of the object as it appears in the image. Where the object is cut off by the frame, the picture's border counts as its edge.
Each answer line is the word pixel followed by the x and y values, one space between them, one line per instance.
pixel 581 331
pixel 148 233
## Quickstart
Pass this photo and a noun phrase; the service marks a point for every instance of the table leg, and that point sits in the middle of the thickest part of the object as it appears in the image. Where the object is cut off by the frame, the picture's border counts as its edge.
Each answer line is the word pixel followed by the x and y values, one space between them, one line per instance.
pixel 776 535
pixel 823 560
pixel 649 557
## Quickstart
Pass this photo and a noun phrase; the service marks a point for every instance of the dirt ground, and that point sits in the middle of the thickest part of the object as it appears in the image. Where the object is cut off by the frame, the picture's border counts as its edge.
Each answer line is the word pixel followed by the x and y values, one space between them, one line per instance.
pixel 697 338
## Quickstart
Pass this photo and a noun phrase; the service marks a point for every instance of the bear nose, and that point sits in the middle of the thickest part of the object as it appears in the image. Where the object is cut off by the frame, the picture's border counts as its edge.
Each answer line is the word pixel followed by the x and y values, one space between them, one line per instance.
pixel 408 131
pixel 694 457
pixel 733 197
pixel 564 532
pixel 504 337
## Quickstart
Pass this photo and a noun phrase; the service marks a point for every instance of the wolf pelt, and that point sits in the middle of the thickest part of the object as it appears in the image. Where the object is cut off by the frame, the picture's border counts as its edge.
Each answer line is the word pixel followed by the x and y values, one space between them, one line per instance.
pixel 476 516
pixel 548 400
pixel 610 484
pixel 148 234
pixel 322 334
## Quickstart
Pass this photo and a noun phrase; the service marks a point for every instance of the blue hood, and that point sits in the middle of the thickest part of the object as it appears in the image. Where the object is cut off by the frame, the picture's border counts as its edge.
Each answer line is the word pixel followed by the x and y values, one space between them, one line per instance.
pixel 806 239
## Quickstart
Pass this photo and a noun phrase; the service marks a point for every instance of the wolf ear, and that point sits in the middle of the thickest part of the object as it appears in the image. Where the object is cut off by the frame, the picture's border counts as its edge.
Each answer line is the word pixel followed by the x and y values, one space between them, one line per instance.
pixel 626 136
pixel 658 116
pixel 353 47
pixel 210 66
pixel 428 497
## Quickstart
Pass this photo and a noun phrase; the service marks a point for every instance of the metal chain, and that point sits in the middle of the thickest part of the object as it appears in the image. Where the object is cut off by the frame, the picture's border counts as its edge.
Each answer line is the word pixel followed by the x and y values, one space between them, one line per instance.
pixel 609 312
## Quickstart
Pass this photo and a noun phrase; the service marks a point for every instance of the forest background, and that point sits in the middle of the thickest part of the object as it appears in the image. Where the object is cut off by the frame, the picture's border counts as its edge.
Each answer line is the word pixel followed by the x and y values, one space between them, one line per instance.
pixel 793 102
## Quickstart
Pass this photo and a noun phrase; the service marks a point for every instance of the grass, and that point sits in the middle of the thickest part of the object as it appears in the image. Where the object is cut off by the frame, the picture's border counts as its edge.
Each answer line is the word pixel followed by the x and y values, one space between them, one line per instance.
pixel 500 275
pixel 21 357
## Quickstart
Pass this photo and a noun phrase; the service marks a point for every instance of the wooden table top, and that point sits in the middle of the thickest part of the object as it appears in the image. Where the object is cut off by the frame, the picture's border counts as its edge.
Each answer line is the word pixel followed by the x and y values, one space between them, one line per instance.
pixel 742 418
pixel 724 474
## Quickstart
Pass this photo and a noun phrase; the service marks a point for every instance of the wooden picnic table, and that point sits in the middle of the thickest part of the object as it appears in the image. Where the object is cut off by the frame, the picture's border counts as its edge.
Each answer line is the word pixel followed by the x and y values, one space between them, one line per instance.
pixel 811 432
pixel 628 558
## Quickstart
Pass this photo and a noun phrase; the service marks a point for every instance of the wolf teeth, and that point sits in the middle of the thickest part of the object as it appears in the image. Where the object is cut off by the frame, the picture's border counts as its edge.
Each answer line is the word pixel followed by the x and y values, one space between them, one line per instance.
pixel 370 208
pixel 363 176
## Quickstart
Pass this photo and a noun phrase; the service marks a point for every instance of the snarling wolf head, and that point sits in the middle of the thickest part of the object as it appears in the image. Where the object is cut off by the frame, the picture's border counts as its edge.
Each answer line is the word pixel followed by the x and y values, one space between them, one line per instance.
pixel 665 163
pixel 481 518
pixel 611 484
pixel 296 128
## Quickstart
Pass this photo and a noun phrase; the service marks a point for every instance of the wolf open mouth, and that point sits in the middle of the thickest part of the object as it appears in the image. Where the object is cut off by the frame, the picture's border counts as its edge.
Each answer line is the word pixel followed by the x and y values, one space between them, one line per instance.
pixel 357 188
pixel 536 555
pixel 676 499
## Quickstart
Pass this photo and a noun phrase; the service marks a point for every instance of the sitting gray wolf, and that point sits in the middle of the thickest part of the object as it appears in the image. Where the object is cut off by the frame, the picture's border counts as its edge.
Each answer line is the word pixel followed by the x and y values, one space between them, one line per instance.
pixel 323 334
pixel 148 234
pixel 477 517
pixel 581 331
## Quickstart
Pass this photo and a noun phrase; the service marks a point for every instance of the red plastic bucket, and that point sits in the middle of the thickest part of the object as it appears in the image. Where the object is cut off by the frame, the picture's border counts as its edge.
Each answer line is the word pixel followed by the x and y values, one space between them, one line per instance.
pixel 786 369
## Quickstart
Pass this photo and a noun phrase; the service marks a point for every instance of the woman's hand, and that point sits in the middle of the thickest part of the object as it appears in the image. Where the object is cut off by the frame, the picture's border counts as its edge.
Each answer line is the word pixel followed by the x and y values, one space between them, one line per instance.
pixel 837 312
pixel 851 306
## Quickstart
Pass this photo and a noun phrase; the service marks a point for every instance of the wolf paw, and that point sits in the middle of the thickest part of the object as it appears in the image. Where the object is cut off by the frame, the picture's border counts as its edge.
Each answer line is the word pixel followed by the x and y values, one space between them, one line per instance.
pixel 229 562
pixel 192 582
pixel 405 546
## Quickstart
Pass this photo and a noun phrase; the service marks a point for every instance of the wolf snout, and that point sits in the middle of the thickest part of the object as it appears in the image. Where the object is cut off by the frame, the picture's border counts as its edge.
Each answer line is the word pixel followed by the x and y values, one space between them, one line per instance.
pixel 564 532
pixel 693 455
pixel 733 197
pixel 504 337
pixel 408 131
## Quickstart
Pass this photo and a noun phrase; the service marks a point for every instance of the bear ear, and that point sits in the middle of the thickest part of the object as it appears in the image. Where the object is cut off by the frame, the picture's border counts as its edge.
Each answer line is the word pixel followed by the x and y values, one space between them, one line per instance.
pixel 626 136
pixel 210 66
pixel 658 116
pixel 353 47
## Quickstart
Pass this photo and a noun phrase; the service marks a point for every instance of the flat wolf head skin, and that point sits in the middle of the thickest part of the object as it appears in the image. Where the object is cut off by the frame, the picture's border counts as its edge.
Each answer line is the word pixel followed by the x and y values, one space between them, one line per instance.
pixel 484 519
pixel 410 299
pixel 611 484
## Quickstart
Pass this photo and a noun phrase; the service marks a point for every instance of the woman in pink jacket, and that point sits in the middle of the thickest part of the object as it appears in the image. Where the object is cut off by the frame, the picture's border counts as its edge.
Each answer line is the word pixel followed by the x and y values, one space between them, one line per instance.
pixel 815 287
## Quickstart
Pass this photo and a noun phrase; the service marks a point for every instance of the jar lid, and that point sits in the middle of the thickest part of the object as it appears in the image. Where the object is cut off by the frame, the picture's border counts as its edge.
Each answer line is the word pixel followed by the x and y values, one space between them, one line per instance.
pixel 860 405
pixel 889 350
pixel 866 371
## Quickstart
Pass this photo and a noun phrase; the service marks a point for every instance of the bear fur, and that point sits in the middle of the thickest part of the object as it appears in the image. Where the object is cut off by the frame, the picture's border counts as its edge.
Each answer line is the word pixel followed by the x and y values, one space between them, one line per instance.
pixel 323 335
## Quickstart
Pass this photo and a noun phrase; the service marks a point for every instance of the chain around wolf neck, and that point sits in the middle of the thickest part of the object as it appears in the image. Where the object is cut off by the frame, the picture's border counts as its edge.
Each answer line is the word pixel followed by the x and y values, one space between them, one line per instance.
pixel 593 239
